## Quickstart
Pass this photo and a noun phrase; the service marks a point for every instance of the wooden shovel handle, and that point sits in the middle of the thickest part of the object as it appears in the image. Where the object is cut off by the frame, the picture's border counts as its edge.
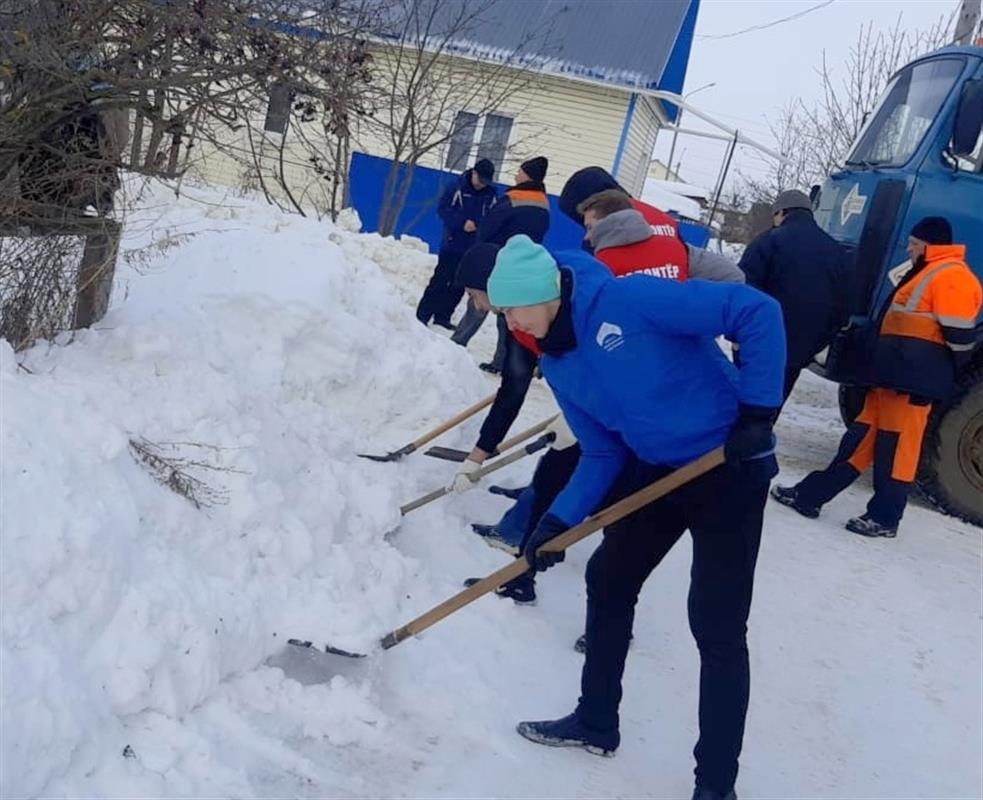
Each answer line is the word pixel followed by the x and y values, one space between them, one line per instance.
pixel 612 513
pixel 508 444
pixel 492 466
pixel 453 422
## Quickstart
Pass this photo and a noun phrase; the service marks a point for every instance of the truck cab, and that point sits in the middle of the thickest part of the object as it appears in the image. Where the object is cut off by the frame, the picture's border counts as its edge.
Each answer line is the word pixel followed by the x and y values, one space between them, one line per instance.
pixel 919 154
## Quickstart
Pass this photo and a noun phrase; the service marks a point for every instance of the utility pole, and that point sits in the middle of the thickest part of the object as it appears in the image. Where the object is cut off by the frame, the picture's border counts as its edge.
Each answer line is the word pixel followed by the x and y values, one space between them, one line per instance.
pixel 967 23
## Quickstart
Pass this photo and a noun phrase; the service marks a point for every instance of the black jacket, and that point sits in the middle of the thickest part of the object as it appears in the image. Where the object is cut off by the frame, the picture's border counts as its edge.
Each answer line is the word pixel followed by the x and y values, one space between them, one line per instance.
pixel 805 270
pixel 524 209
pixel 459 203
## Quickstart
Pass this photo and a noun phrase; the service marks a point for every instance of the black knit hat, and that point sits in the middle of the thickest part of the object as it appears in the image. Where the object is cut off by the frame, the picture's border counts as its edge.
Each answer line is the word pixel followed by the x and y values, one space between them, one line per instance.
pixel 485 170
pixel 933 230
pixel 476 265
pixel 536 168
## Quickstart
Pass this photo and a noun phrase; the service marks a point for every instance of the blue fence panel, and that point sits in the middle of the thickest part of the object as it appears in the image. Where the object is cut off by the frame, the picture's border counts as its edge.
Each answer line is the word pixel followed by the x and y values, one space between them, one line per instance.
pixel 367 180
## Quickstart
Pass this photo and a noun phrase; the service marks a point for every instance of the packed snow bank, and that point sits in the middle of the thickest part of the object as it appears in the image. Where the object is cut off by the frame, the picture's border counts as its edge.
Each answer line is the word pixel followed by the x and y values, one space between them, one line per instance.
pixel 267 347
pixel 656 193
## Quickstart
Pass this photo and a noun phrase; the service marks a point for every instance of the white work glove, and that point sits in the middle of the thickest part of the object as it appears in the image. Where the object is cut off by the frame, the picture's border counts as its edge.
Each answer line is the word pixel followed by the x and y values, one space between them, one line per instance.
pixel 464 479
pixel 564 436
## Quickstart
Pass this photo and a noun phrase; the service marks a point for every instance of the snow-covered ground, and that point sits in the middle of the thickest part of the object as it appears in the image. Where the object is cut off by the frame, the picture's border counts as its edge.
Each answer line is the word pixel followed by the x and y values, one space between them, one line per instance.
pixel 142 651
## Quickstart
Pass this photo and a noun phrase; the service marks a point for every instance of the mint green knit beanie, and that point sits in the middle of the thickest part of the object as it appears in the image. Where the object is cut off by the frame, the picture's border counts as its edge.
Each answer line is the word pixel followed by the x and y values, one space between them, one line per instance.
pixel 525 274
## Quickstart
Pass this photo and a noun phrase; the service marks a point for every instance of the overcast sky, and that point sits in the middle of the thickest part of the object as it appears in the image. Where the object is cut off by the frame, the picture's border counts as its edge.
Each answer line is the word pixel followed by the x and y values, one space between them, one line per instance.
pixel 757 72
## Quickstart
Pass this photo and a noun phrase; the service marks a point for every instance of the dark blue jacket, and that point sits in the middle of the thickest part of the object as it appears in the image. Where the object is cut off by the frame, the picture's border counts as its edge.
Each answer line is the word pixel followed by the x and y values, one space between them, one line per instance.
pixel 524 209
pixel 647 376
pixel 459 203
pixel 804 269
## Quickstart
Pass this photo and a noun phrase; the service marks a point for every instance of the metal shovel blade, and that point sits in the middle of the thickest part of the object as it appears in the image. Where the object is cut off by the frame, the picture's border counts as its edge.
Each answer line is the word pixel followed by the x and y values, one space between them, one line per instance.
pixel 447 454
pixel 395 455
pixel 327 649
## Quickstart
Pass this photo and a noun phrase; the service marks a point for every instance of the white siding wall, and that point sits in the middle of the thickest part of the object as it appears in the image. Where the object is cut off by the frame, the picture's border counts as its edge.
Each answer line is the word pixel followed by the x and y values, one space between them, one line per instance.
pixel 639 145
pixel 573 124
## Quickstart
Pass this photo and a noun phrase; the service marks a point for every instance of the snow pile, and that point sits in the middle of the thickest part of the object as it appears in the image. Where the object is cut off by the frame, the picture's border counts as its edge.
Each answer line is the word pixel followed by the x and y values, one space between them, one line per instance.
pixel 258 356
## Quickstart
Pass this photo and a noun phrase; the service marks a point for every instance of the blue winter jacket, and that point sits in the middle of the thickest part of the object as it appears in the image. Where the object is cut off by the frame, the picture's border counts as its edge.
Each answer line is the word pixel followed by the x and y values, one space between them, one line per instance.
pixel 647 375
pixel 459 203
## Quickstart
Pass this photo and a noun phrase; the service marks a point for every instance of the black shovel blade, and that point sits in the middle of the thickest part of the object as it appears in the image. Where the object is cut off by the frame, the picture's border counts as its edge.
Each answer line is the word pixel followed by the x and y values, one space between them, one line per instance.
pixel 387 457
pixel 395 455
pixel 447 454
pixel 327 649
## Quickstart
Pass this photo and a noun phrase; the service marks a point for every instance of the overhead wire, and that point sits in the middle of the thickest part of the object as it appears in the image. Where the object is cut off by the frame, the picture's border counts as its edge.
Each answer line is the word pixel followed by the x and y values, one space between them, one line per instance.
pixel 766 25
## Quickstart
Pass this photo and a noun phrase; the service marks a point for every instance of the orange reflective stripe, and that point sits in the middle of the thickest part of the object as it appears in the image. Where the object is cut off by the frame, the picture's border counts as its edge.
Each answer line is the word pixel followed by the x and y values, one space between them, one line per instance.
pixel 913 325
pixel 899 415
pixel 528 196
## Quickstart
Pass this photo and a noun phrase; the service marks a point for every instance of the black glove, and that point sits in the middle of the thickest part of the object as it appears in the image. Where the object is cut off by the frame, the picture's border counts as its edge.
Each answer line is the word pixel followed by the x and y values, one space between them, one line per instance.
pixel 549 527
pixel 751 436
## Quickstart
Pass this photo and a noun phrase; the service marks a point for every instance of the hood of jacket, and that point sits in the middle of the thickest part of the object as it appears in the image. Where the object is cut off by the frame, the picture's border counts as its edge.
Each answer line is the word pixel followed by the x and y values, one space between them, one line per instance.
pixel 619 229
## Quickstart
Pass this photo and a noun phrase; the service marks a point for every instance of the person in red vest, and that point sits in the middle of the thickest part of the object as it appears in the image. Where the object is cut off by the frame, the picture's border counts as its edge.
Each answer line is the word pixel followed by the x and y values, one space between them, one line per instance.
pixel 629 241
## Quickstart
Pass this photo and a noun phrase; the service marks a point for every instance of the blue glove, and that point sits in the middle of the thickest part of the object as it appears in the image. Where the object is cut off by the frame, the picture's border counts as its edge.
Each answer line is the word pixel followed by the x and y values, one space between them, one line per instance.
pixel 549 527
pixel 751 437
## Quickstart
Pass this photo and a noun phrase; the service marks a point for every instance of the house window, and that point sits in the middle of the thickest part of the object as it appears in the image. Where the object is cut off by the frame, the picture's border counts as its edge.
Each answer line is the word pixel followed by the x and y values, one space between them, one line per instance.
pixel 278 110
pixel 462 139
pixel 475 137
pixel 495 139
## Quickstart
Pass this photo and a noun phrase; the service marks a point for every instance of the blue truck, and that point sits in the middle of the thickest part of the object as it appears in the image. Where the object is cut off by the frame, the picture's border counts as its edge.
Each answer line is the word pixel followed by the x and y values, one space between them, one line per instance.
pixel 920 153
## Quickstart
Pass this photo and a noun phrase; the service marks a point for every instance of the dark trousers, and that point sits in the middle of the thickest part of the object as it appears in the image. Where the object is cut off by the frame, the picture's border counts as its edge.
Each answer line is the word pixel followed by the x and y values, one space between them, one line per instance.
pixel 887 434
pixel 469 325
pixel 441 296
pixel 723 510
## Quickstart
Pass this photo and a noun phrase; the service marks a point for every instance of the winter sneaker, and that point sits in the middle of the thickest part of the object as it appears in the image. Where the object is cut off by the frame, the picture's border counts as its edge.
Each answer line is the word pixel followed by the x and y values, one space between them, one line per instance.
pixel 445 323
pixel 521 592
pixel 701 793
pixel 570 732
pixel 581 644
pixel 865 526
pixel 789 496
pixel 491 537
pixel 490 368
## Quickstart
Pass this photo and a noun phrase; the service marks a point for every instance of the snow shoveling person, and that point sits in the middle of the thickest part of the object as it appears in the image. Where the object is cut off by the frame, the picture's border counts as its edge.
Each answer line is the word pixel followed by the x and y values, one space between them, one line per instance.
pixel 524 209
pixel 462 207
pixel 519 365
pixel 805 270
pixel 626 243
pixel 926 333
pixel 652 344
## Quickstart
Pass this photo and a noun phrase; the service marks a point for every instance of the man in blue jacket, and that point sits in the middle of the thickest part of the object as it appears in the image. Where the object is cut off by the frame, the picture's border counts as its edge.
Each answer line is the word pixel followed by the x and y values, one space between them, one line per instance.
pixel 635 367
pixel 524 209
pixel 462 207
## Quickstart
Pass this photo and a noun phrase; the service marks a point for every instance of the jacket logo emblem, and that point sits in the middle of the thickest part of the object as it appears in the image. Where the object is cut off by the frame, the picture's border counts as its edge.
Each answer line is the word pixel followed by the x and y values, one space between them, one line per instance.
pixel 609 336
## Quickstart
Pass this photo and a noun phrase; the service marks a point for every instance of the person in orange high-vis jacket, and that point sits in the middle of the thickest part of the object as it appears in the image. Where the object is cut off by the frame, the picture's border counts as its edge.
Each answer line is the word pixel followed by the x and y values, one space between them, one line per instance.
pixel 928 330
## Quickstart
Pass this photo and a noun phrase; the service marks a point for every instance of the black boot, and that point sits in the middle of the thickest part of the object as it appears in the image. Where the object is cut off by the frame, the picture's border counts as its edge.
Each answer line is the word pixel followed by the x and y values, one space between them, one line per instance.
pixel 521 590
pixel 789 496
pixel 865 526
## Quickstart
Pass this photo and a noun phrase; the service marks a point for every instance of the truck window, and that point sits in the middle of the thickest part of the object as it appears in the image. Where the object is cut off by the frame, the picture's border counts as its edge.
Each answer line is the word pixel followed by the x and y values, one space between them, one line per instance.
pixel 974 161
pixel 907 108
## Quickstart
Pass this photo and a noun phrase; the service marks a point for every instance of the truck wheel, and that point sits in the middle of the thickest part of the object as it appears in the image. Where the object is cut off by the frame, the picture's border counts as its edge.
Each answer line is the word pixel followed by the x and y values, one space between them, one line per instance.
pixel 951 472
pixel 851 401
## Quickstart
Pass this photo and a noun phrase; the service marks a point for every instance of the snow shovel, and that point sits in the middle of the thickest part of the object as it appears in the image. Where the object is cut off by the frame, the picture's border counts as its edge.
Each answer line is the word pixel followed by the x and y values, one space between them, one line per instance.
pixel 503 461
pixel 429 436
pixel 450 454
pixel 611 514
